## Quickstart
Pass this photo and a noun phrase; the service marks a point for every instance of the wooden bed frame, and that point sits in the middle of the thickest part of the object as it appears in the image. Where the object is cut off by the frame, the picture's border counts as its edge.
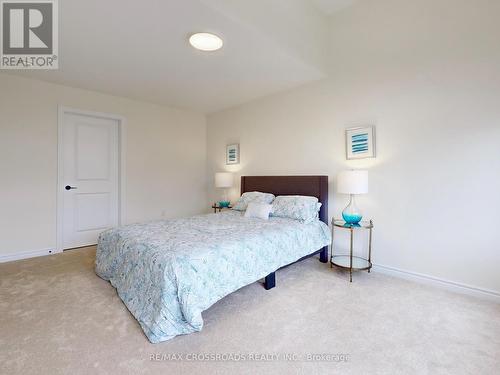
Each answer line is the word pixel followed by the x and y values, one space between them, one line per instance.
pixel 315 186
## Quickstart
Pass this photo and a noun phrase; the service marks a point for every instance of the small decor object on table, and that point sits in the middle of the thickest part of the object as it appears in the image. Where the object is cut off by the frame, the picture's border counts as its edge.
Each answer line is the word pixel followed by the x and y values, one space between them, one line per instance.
pixel 349 261
pixel 216 207
pixel 233 154
pixel 360 142
pixel 352 183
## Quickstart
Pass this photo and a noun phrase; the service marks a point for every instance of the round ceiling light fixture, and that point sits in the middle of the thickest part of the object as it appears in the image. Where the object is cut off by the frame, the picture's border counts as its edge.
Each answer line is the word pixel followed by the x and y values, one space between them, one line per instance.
pixel 206 42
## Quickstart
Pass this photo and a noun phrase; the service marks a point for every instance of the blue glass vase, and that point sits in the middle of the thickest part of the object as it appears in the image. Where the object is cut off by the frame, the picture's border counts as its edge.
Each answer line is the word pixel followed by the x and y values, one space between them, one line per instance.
pixel 352 214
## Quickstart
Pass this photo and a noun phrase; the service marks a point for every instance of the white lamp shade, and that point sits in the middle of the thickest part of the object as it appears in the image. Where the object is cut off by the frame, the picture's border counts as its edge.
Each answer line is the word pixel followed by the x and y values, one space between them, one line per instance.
pixel 352 182
pixel 223 180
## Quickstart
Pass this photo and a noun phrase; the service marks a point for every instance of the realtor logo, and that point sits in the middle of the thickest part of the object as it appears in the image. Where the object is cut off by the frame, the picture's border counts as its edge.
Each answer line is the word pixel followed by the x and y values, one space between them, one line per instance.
pixel 29 37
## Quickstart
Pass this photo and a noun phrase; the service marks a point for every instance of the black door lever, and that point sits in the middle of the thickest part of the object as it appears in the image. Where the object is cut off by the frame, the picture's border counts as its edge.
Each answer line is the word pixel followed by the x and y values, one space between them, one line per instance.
pixel 70 187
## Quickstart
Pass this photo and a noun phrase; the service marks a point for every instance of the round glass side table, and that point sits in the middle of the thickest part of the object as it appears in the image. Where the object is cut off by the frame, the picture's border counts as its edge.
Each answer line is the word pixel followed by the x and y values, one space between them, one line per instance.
pixel 349 261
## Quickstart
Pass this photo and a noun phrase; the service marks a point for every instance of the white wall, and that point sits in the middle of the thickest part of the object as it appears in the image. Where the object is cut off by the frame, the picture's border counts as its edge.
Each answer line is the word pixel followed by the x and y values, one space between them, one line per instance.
pixel 427 74
pixel 165 159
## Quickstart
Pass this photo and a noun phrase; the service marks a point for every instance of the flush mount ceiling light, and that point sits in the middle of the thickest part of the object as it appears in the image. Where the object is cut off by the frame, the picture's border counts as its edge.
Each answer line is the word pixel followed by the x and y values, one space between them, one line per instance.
pixel 206 41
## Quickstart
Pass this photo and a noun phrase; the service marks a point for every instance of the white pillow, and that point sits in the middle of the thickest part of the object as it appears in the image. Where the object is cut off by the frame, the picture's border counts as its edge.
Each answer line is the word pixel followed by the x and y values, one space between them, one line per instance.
pixel 298 207
pixel 252 196
pixel 258 210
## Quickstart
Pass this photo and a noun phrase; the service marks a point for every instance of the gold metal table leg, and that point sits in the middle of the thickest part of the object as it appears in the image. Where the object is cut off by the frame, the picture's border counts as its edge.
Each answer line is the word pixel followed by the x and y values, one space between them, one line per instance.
pixel 350 264
pixel 331 246
pixel 370 246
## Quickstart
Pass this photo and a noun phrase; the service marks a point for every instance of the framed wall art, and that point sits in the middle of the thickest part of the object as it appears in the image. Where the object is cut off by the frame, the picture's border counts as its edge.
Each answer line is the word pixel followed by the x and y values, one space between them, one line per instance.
pixel 360 142
pixel 233 154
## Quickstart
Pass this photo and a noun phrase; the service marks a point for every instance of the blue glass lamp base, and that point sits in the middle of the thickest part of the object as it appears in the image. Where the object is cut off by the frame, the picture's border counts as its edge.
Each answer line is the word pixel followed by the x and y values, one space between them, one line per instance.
pixel 351 219
pixel 224 204
pixel 351 214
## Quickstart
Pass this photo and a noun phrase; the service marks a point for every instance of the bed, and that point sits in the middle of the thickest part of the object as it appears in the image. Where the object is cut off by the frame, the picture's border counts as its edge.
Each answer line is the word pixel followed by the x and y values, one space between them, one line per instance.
pixel 168 272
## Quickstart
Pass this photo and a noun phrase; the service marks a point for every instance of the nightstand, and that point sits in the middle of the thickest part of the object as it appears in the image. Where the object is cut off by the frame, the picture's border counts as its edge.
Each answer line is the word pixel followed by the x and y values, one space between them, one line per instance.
pixel 216 207
pixel 349 261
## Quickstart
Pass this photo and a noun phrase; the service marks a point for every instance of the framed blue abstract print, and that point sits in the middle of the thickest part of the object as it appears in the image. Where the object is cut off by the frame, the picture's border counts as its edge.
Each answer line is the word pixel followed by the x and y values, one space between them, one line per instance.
pixel 233 154
pixel 360 142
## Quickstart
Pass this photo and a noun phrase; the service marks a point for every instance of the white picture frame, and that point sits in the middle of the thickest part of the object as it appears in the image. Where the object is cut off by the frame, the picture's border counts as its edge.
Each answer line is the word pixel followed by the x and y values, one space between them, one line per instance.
pixel 233 154
pixel 360 142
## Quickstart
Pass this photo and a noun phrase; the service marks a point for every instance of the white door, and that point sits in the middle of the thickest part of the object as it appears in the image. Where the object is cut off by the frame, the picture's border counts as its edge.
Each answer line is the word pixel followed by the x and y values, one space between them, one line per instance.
pixel 89 178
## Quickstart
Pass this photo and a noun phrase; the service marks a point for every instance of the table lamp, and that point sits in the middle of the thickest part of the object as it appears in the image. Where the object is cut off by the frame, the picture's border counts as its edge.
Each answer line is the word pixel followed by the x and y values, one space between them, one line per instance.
pixel 352 183
pixel 224 180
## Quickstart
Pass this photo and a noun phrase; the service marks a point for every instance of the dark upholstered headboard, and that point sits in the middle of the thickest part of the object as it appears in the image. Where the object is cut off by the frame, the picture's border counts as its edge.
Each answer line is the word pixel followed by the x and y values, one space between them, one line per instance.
pixel 315 186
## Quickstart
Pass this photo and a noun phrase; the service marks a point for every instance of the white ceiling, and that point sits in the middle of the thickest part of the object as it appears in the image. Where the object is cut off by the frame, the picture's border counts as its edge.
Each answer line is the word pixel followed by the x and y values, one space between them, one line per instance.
pixel 331 6
pixel 140 50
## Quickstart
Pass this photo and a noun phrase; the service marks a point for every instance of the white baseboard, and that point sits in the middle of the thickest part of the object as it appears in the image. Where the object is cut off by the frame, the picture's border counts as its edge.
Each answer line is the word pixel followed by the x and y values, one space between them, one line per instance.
pixel 26 254
pixel 435 281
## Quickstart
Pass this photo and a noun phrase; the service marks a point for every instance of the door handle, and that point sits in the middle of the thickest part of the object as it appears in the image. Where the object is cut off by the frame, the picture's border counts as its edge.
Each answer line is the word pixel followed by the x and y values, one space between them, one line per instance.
pixel 67 187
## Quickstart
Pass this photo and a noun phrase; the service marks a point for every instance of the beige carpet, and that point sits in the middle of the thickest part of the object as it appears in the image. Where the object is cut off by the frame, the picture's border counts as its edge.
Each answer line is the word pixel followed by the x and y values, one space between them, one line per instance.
pixel 58 317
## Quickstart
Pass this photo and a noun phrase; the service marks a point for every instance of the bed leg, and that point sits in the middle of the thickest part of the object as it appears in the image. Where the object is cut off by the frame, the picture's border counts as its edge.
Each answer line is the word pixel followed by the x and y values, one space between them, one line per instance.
pixel 270 281
pixel 323 256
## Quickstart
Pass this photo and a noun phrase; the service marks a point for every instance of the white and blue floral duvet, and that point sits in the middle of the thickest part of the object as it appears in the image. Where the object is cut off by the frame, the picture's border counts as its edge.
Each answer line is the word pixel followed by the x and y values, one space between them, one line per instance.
pixel 167 272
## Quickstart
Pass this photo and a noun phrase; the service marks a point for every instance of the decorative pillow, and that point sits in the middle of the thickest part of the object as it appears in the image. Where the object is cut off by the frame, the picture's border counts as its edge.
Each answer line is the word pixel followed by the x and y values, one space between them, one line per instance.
pixel 298 207
pixel 253 196
pixel 258 210
pixel 318 207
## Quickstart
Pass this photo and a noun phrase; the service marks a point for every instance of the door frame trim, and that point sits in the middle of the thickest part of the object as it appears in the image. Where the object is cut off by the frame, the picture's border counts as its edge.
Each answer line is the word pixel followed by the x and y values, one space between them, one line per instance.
pixel 62 110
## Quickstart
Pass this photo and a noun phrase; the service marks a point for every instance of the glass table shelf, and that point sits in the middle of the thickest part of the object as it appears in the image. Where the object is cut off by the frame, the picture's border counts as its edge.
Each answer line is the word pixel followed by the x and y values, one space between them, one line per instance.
pixel 360 225
pixel 344 261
